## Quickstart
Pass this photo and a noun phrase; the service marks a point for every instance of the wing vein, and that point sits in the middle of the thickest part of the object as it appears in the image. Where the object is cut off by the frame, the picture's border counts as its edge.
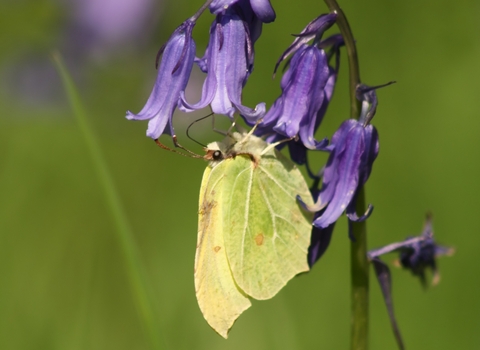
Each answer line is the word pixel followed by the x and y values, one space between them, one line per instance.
pixel 269 206
pixel 276 182
pixel 247 208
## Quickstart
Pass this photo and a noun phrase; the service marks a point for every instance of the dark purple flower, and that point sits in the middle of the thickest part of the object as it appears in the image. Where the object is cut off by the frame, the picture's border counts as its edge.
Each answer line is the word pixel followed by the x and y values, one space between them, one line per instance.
pixel 354 147
pixel 227 63
pixel 319 242
pixel 262 8
pixel 307 87
pixel 298 151
pixel 294 112
pixel 353 150
pixel 172 78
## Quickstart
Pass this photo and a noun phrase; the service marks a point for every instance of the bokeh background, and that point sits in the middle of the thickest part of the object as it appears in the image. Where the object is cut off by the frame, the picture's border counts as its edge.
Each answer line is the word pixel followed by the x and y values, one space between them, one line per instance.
pixel 63 279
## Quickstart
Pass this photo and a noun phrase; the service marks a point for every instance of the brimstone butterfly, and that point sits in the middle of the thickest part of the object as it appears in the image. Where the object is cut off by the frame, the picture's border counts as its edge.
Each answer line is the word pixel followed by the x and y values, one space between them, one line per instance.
pixel 253 236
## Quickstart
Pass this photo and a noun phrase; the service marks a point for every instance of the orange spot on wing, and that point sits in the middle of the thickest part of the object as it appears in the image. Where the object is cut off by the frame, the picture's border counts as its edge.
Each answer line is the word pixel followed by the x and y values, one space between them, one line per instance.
pixel 259 239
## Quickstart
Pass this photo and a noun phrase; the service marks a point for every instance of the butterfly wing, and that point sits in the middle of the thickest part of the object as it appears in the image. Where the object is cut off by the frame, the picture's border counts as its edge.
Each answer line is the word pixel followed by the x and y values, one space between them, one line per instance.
pixel 219 298
pixel 266 232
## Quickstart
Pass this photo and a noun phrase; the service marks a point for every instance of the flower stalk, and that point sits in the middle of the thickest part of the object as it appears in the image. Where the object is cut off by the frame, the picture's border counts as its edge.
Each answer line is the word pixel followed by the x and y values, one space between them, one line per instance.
pixel 358 252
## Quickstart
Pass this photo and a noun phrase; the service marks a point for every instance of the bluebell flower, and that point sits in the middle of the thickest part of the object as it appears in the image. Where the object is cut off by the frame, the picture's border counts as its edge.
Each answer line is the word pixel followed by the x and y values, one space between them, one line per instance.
pixel 172 78
pixel 354 147
pixel 353 150
pixel 294 112
pixel 298 150
pixel 227 62
pixel 262 8
pixel 307 87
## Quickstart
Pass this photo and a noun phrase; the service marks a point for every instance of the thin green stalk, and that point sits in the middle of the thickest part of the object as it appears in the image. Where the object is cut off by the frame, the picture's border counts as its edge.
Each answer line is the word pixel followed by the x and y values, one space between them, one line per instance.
pixel 358 250
pixel 354 69
pixel 135 271
pixel 360 269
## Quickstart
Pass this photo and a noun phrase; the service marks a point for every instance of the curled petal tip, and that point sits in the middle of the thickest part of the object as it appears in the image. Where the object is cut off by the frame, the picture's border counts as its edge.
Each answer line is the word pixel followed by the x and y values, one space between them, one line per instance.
pixel 313 208
pixel 129 115
pixel 353 216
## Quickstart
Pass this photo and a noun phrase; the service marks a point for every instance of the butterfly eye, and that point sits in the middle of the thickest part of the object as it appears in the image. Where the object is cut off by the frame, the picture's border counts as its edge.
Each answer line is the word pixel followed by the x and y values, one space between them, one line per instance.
pixel 217 155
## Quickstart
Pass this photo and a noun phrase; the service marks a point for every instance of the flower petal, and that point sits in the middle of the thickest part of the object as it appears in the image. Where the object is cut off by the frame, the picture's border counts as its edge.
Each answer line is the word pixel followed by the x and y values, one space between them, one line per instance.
pixel 264 10
pixel 330 174
pixel 227 65
pixel 384 279
pixel 314 28
pixel 347 176
pixel 172 78
pixel 320 240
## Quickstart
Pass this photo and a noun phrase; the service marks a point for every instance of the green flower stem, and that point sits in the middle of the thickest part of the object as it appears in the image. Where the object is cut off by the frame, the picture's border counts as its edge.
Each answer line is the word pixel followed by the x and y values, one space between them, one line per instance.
pixel 359 268
pixel 135 271
pixel 354 70
pixel 358 252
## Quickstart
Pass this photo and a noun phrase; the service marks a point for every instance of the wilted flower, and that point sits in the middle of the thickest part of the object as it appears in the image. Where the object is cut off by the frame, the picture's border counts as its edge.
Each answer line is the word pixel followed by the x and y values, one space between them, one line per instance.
pixel 172 78
pixel 227 62
pixel 416 254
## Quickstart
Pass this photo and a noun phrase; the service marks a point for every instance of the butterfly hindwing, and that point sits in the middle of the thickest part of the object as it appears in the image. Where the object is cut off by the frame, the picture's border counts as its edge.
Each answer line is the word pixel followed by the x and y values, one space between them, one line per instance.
pixel 219 298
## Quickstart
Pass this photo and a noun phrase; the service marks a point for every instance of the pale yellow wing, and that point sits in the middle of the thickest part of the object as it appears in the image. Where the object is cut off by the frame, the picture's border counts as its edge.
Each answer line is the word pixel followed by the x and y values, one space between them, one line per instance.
pixel 267 233
pixel 219 298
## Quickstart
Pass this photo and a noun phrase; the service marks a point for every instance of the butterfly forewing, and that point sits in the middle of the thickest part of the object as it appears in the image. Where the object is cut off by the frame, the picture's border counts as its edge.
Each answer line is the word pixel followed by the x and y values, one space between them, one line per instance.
pixel 266 232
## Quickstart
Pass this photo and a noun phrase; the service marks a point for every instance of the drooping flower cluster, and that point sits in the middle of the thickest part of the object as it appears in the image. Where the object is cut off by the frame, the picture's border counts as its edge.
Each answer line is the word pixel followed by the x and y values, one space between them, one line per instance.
pixel 307 88
pixel 228 62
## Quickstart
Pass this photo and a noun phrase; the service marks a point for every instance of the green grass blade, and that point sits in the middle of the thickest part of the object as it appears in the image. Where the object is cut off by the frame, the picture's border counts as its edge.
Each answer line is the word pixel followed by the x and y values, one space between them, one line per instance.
pixel 135 271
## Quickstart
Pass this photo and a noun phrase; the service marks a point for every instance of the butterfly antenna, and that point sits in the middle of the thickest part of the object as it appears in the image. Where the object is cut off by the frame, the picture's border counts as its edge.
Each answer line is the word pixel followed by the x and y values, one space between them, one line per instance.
pixel 188 129
pixel 190 155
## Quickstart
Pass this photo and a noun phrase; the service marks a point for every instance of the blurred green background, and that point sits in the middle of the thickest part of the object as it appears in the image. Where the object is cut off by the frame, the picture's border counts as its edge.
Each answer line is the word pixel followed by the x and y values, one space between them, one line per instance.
pixel 63 279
